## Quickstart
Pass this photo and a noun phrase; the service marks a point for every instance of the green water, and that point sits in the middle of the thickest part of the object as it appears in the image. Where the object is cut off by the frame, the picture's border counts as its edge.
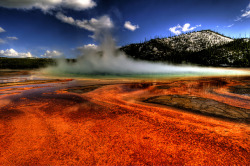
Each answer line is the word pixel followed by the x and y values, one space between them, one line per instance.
pixel 210 72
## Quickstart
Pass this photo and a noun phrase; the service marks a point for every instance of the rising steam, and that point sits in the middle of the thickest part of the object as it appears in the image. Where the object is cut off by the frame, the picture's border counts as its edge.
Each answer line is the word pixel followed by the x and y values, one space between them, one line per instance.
pixel 107 59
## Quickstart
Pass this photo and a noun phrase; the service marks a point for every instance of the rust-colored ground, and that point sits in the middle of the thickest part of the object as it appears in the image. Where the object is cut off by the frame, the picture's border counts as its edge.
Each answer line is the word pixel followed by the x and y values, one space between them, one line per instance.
pixel 96 122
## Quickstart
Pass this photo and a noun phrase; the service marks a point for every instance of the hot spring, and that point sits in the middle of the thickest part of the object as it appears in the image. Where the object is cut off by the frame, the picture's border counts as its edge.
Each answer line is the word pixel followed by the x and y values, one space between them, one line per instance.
pixel 107 61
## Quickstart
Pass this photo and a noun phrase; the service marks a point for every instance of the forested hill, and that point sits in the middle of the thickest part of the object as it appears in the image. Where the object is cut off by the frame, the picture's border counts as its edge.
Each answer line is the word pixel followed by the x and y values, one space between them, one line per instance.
pixel 205 47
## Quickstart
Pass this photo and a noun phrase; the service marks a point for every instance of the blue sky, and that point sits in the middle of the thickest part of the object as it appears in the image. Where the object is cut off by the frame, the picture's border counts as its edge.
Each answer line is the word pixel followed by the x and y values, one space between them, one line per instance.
pixel 52 28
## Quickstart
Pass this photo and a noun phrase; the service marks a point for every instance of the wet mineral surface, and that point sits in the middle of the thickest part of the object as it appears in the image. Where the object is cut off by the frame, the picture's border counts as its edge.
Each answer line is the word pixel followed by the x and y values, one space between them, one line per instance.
pixel 182 121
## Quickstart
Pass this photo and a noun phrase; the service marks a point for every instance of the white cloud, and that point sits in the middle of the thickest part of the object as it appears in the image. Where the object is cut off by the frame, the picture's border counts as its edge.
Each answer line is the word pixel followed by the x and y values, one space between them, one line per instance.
pixel 176 29
pixel 229 26
pixel 78 4
pixel 89 47
pixel 104 22
pixel 12 38
pixel 46 5
pixel 246 13
pixel 248 7
pixel 2 30
pixel 185 28
pixel 11 53
pixel 130 27
pixel 51 54
pixel 2 41
pixel 65 19
pixel 93 25
pixel 237 19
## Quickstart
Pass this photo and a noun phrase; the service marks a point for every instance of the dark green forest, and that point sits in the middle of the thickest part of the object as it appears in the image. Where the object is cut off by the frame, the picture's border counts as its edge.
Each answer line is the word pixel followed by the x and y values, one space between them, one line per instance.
pixel 234 54
pixel 25 63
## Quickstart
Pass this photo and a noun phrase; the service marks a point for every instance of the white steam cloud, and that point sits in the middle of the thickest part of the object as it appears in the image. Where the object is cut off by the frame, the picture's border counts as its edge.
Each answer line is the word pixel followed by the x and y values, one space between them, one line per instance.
pixel 106 59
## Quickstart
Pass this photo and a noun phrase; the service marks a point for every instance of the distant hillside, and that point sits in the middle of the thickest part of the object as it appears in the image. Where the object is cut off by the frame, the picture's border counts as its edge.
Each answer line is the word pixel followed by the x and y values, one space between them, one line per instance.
pixel 195 41
pixel 203 47
pixel 235 53
pixel 206 48
pixel 25 63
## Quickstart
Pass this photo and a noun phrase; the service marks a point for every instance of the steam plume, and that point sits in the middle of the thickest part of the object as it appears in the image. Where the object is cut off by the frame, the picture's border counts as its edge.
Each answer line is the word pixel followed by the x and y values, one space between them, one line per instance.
pixel 107 59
